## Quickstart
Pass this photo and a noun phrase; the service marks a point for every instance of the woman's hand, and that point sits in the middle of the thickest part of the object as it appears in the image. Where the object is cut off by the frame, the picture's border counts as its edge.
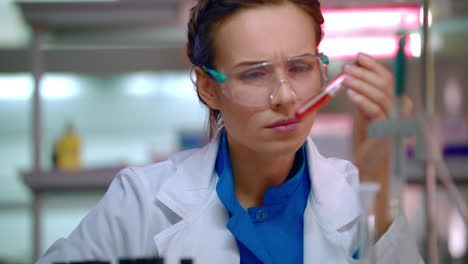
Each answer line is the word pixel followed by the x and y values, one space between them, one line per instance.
pixel 371 88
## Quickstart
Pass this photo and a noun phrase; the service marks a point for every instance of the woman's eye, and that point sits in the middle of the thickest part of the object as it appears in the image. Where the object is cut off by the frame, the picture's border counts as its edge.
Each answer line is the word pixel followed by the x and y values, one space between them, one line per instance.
pixel 252 75
pixel 301 68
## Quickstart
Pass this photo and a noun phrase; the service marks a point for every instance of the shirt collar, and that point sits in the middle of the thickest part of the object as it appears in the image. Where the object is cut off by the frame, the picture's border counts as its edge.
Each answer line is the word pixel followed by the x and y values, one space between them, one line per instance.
pixel 274 195
pixel 225 185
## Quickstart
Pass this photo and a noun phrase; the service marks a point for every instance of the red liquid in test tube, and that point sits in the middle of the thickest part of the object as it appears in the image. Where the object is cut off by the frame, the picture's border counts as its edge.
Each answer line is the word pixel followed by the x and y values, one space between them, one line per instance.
pixel 322 98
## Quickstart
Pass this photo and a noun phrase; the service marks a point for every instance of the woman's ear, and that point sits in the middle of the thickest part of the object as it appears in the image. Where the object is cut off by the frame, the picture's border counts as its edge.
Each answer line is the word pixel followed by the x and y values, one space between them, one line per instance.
pixel 206 88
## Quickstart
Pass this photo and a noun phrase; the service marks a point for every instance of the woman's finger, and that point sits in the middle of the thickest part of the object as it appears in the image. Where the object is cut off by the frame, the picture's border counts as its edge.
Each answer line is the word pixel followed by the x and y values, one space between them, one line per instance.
pixel 407 107
pixel 372 64
pixel 376 96
pixel 370 109
pixel 379 82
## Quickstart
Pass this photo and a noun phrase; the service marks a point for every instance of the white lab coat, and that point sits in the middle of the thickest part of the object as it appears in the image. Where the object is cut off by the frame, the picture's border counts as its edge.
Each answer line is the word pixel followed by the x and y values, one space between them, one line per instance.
pixel 172 209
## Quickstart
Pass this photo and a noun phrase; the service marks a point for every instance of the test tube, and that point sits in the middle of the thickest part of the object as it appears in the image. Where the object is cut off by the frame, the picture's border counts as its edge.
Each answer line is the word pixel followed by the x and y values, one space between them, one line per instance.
pixel 327 93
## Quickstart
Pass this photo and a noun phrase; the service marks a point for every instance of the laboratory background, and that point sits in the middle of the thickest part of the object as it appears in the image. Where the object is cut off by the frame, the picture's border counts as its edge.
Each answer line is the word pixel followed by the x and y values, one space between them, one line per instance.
pixel 90 87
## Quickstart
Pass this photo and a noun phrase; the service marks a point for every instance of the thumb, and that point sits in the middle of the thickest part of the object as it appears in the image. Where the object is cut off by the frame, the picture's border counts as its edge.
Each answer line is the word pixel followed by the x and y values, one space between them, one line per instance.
pixel 407 107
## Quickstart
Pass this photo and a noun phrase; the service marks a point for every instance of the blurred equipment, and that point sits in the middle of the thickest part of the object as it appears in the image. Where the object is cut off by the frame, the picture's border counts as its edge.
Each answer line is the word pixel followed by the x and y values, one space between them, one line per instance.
pixel 154 260
pixel 428 146
pixel 367 194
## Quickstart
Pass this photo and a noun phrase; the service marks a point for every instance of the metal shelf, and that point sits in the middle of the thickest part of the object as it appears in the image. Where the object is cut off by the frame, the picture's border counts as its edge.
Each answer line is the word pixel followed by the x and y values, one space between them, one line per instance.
pixel 93 37
pixel 103 36
pixel 98 60
pixel 108 23
pixel 88 179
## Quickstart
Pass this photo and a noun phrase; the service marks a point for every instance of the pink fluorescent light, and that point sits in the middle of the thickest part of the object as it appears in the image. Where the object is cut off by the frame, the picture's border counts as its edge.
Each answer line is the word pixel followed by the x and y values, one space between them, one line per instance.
pixel 379 18
pixel 380 47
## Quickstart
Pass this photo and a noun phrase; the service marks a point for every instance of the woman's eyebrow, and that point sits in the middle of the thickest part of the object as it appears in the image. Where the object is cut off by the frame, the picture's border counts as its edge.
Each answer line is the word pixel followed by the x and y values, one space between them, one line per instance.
pixel 259 62
pixel 302 55
pixel 246 64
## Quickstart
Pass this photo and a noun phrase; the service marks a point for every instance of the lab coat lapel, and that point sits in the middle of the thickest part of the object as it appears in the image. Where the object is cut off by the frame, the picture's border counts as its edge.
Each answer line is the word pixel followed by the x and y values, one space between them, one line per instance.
pixel 202 236
pixel 191 194
pixel 336 201
pixel 187 190
pixel 331 212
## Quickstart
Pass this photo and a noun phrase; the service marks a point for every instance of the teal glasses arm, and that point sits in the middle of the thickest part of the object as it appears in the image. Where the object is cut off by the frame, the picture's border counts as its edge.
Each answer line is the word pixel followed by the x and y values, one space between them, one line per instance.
pixel 216 75
pixel 324 58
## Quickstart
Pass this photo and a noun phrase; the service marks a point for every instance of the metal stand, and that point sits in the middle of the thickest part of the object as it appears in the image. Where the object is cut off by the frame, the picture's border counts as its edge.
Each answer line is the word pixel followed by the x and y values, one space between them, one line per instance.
pixel 428 95
pixel 37 69
pixel 397 129
pixel 37 223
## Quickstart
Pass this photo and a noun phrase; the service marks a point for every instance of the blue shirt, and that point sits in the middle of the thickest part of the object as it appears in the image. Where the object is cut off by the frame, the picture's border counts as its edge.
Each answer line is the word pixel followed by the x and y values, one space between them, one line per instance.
pixel 272 233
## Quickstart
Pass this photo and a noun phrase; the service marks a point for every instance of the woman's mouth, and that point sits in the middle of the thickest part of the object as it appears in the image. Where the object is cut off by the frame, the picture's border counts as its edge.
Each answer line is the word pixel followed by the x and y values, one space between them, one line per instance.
pixel 284 125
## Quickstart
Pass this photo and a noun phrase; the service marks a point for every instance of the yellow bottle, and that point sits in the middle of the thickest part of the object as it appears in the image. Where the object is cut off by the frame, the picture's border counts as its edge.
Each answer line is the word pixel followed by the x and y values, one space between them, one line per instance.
pixel 67 150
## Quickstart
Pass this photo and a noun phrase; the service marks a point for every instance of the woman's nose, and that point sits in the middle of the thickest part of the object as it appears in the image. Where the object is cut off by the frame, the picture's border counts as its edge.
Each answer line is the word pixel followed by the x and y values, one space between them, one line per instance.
pixel 283 94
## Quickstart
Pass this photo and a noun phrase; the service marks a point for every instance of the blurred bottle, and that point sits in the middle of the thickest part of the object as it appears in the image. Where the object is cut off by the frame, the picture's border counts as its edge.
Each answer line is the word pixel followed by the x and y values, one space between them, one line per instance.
pixel 66 154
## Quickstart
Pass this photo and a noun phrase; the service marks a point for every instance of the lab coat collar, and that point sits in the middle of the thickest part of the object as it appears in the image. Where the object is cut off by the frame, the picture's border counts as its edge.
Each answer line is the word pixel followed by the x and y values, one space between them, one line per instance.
pixel 190 187
pixel 332 198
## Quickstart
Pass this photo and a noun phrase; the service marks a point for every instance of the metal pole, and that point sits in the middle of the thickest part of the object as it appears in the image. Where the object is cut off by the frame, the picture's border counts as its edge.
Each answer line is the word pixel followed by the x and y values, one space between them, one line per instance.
pixel 428 99
pixel 433 251
pixel 37 208
pixel 37 71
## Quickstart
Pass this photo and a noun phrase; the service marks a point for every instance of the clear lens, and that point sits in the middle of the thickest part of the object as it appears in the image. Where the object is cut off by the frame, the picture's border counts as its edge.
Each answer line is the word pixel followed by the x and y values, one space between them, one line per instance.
pixel 253 86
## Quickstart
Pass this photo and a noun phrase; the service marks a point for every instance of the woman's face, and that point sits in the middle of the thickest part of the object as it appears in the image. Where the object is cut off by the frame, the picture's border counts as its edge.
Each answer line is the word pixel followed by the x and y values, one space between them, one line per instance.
pixel 271 33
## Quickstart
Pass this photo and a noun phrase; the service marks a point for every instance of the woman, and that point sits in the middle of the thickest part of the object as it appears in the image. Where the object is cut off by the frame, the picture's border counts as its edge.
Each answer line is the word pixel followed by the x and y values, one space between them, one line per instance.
pixel 259 192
